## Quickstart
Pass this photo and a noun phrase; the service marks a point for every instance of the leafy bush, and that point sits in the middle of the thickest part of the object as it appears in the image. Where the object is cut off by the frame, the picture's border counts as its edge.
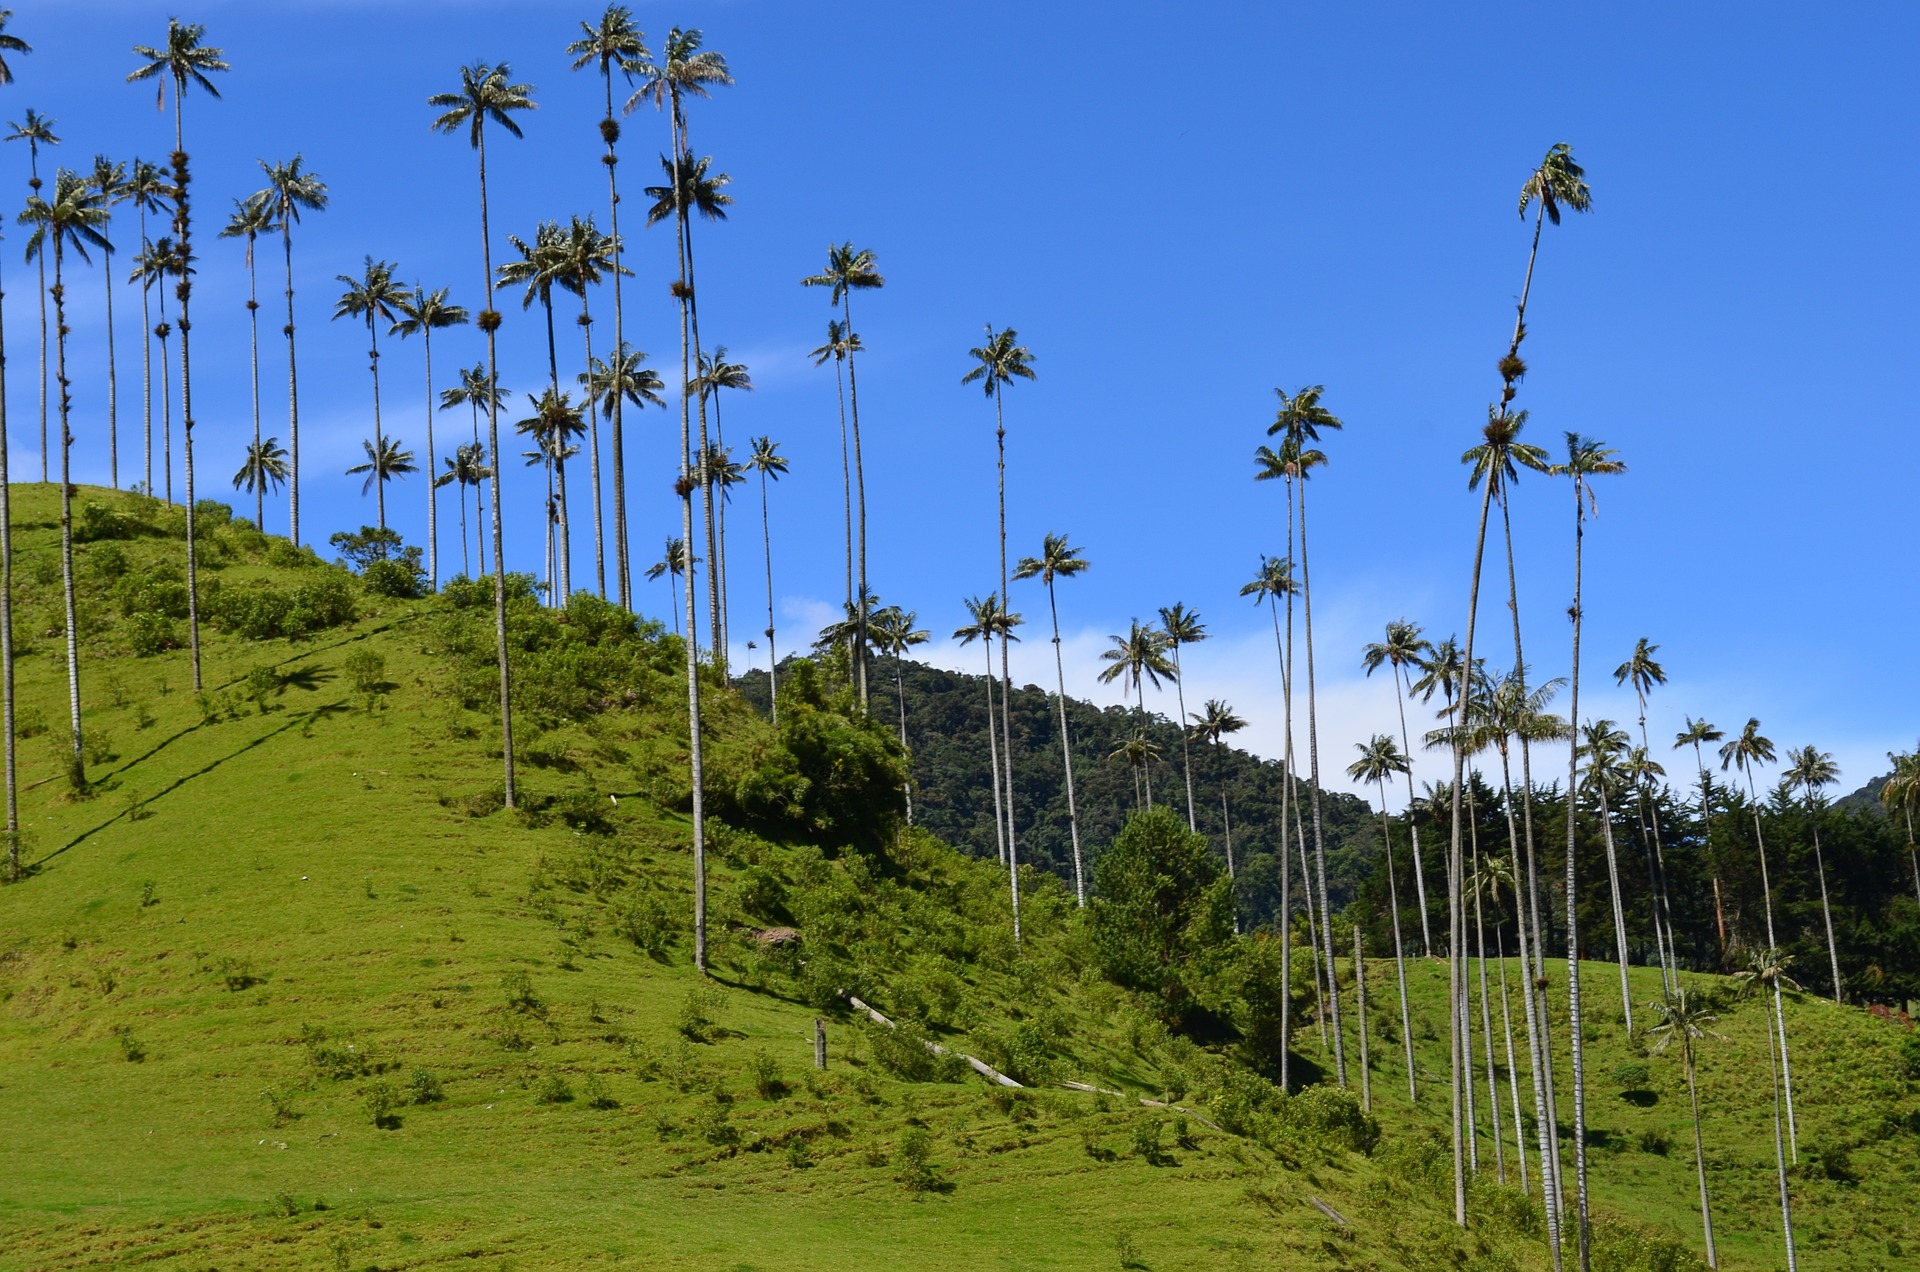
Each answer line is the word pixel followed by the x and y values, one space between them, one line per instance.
pixel 402 579
pixel 95 523
pixel 765 1073
pixel 283 555
pixel 903 1052
pixel 912 1158
pixel 209 515
pixel 361 548
pixel 261 686
pixel 1160 907
pixel 365 669
pixel 424 1088
pixel 553 1089
pixel 598 1096
pixel 109 561
pixel 698 1012
pixel 381 1100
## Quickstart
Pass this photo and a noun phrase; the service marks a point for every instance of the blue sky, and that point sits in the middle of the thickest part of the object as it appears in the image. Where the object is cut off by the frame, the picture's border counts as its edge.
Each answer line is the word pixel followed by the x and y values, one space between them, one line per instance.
pixel 1179 208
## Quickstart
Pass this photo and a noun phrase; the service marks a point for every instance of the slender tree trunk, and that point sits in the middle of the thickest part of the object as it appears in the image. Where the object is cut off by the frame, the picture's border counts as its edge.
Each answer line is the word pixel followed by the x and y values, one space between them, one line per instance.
pixel 1513 1070
pixel 146 356
pixel 1399 951
pixel 1575 1043
pixel 900 692
pixel 610 130
pixel 466 561
pixel 33 150
pixel 860 487
pixel 490 320
pixel 166 401
pixel 1700 1157
pixel 6 620
pixel 1313 793
pixel 566 530
pixel 1226 828
pixel 1286 860
pixel 1066 761
pixel 1413 823
pixel 846 506
pixel 433 490
pixel 1466 998
pixel 1779 1012
pixel 1006 675
pixel 379 435
pixel 77 764
pixel 184 290
pixel 1826 910
pixel 1186 752
pixel 689 347
pixel 593 458
pixel 1321 973
pixel 773 659
pixel 1360 1010
pixel 1779 1156
pixel 720 497
pixel 1456 937
pixel 113 371
pixel 1619 913
pixel 1533 1010
pixel 253 337
pixel 993 756
pixel 293 392
pixel 700 404
pixel 1486 1028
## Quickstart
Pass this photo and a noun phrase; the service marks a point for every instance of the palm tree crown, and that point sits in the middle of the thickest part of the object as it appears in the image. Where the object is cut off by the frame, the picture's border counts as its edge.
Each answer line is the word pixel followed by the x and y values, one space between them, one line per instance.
pixel 1002 359
pixel 486 94
pixel 1558 182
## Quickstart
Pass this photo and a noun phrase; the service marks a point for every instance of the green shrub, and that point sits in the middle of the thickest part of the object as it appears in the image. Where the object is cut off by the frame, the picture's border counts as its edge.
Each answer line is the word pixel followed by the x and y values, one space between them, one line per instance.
pixel 150 634
pixel 261 686
pixel 283 555
pixel 1146 1140
pixel 366 669
pixel 699 1010
pixel 765 1073
pixel 402 579
pixel 520 995
pixel 1910 1055
pixel 644 921
pixel 94 523
pixel 598 1096
pixel 109 561
pixel 1161 907
pixel 381 1100
pixel 903 1052
pixel 209 515
pixel 424 1088
pixel 912 1160
pixel 762 894
pixel 553 1089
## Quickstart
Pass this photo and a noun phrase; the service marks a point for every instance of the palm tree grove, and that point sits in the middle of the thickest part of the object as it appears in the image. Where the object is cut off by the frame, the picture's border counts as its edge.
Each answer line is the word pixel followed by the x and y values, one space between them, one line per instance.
pixel 1070 853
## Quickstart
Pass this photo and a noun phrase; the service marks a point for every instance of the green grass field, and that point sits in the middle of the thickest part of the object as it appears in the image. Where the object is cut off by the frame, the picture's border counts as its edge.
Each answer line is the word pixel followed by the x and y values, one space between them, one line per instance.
pixel 270 923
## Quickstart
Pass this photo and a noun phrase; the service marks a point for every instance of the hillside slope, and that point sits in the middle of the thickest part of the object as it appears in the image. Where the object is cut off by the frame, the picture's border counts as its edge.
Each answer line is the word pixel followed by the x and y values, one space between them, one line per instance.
pixel 287 987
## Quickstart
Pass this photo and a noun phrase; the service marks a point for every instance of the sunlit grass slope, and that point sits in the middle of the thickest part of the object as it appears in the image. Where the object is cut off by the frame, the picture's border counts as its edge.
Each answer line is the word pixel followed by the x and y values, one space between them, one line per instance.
pixel 287 988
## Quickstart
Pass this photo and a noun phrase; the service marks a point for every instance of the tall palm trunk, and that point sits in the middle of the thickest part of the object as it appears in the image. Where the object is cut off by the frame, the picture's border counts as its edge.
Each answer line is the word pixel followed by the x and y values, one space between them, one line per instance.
pixel 76 761
pixel 711 476
pixel 688 346
pixel 846 507
pixel 146 357
pixel 1313 768
pixel 293 383
pixel 693 321
pixel 1513 1069
pixel 773 659
pixel 900 691
pixel 1619 913
pixel 433 490
pixel 490 322
pixel 1826 910
pixel 1413 823
pixel 1066 761
pixel 1360 1011
pixel 993 758
pixel 6 620
pixel 1486 1028
pixel 163 331
pixel 593 434
pixel 560 583
pixel 1186 751
pixel 1774 1068
pixel 253 336
pixel 1399 950
pixel 1226 832
pixel 1286 860
pixel 1456 934
pixel 1575 1043
pixel 860 487
pixel 379 436
pixel 33 159
pixel 1699 1154
pixel 113 372
pixel 1779 1012
pixel 1322 975
pixel 1006 674
pixel 623 578
pixel 184 290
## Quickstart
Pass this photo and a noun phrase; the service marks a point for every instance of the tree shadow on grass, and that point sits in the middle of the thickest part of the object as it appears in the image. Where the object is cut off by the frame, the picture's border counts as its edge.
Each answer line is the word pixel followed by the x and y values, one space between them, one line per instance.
pixel 304 720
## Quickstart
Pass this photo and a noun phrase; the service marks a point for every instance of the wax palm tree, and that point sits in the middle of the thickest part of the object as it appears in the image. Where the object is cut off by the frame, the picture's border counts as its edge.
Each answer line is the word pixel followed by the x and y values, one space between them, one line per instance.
pixel 1682 1018
pixel 1274 580
pixel 839 346
pixel 252 217
pixel 187 62
pixel 1139 751
pixel 37 131
pixel 292 189
pixel 1586 459
pixel 8 44
pixel 475 389
pixel 587 257
pixel 1767 969
pixel 424 312
pixel 554 424
pixel 716 373
pixel 1643 672
pixel 1901 790
pixel 148 191
pixel 467 466
pixel 1495 874
pixel 386 459
pixel 1604 748
pixel 71 220
pixel 265 466
pixel 109 180
pixel 539 270
pixel 992 621
pixel 372 298
pixel 850 269
pixel 1138 657
pixel 616 41
pixel 1300 419
pixel 767 461
pixel 487 93
pixel 1557 183
pixel 1212 723
pixel 1060 560
pixel 1379 759
pixel 152 268
pixel 894 632
pixel 1182 626
pixel 1747 752
pixel 1646 774
pixel 675 562
pixel 1404 650
pixel 1697 734
pixel 1814 770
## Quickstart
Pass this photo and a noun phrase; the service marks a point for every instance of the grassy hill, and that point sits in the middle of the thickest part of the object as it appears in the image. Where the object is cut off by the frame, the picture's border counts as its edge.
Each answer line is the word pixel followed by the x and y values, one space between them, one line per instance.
pixel 287 988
